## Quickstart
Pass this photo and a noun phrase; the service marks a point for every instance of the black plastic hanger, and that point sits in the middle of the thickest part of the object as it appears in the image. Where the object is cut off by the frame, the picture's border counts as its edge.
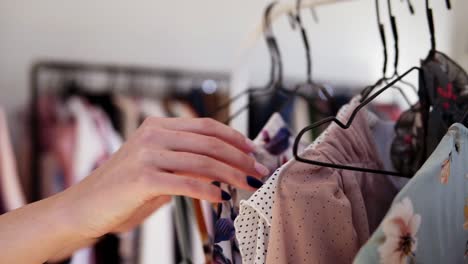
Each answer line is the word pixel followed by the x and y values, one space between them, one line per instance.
pixel 384 79
pixel 276 71
pixel 367 90
pixel 430 22
pixel 410 6
pixel 394 28
pixel 309 83
pixel 275 68
pixel 346 126
pixel 448 4
pixel 277 85
pixel 364 102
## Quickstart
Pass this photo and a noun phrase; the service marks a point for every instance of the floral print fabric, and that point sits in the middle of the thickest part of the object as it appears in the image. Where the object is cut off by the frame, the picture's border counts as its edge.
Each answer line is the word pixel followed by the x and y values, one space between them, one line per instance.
pixel 400 228
pixel 428 219
pixel 274 148
pixel 443 93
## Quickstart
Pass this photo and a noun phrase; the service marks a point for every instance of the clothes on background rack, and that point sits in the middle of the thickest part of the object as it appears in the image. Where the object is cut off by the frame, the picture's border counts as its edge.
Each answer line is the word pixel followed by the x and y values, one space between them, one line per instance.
pixel 130 114
pixel 188 230
pixel 80 129
pixel 263 107
pixel 11 193
pixel 157 239
pixel 85 139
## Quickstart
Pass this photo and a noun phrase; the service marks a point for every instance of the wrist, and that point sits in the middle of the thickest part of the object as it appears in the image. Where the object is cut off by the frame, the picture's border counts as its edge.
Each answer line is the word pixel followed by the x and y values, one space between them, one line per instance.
pixel 41 229
pixel 62 218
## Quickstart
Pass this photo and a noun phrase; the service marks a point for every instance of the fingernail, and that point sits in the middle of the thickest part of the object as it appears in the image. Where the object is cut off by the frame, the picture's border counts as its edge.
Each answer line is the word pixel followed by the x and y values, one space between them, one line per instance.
pixel 261 169
pixel 225 196
pixel 251 181
pixel 250 144
pixel 216 183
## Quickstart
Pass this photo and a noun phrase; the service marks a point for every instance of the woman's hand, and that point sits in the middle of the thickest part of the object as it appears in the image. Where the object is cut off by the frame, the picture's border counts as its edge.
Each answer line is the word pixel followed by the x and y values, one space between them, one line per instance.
pixel 165 156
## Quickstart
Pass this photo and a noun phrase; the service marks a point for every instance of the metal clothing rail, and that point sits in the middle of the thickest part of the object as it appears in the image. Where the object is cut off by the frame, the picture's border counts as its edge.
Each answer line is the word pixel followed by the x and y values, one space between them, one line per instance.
pixel 74 67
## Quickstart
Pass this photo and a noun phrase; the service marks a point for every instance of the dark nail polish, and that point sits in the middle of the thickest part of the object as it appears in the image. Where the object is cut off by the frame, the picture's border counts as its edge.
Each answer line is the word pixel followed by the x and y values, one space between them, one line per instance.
pixel 226 196
pixel 254 182
pixel 216 183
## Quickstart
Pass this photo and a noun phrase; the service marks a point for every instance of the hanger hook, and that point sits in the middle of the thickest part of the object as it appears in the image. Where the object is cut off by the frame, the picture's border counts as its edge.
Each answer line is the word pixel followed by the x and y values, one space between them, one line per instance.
pixel 305 40
pixel 272 45
pixel 382 38
pixel 430 21
pixel 395 37
pixel 410 6
pixel 448 4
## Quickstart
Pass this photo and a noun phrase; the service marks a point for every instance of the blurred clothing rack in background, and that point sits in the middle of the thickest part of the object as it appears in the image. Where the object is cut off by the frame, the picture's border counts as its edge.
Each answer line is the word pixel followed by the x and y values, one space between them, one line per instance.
pixel 208 81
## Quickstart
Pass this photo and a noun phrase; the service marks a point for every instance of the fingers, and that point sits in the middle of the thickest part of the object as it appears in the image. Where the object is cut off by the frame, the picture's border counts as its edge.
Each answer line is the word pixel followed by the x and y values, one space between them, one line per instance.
pixel 206 167
pixel 163 183
pixel 208 127
pixel 214 148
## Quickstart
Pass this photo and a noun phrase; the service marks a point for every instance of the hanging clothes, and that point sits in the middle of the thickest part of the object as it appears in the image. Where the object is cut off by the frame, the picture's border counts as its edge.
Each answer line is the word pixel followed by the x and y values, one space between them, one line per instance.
pixel 157 240
pixel 319 213
pixel 273 149
pixel 173 233
pixel 274 143
pixel 189 236
pixel 445 87
pixel 263 107
pixel 428 220
pixel 255 217
pixel 95 141
pixel 129 120
pixel 301 116
pixel 443 93
pixel 12 195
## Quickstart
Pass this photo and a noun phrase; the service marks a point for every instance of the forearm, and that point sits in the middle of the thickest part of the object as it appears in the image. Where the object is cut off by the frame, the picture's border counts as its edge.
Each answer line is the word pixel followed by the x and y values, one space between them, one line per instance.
pixel 36 232
pixel 68 251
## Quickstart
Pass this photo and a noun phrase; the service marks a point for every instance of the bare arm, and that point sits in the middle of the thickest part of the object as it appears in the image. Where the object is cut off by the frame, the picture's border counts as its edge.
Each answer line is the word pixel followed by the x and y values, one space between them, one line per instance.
pixel 164 157
pixel 34 233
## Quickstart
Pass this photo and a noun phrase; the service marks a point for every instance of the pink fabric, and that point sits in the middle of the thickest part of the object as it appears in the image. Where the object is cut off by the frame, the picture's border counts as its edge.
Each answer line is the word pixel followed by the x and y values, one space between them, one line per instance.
pixel 324 215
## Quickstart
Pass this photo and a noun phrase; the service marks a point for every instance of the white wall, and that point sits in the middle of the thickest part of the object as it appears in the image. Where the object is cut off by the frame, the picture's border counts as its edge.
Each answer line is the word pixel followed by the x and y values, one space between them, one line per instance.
pixel 460 34
pixel 205 34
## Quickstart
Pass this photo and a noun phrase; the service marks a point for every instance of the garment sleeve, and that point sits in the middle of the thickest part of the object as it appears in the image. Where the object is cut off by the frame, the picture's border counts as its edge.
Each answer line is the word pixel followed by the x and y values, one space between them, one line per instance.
pixel 312 220
pixel 254 222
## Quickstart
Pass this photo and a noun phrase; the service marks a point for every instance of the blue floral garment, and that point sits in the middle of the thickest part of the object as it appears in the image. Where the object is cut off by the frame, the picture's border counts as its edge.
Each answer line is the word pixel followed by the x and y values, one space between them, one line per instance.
pixel 428 220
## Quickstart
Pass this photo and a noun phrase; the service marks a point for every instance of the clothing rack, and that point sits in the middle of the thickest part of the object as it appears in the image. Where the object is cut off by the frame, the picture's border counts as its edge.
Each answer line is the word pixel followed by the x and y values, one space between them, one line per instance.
pixel 74 67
